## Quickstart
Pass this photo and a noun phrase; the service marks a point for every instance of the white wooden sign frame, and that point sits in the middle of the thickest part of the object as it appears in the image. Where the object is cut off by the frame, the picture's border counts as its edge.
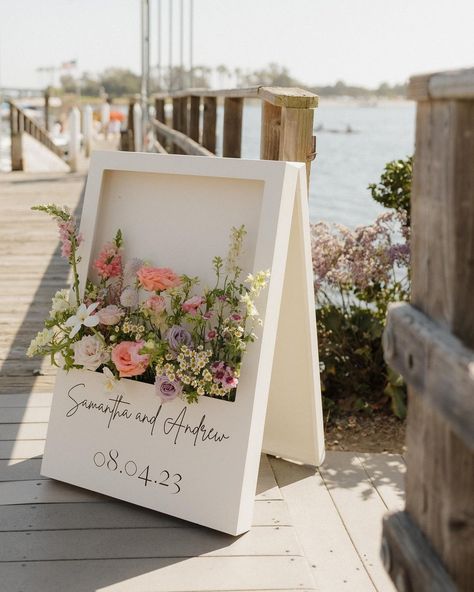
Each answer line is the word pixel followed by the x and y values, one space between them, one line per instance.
pixel 197 462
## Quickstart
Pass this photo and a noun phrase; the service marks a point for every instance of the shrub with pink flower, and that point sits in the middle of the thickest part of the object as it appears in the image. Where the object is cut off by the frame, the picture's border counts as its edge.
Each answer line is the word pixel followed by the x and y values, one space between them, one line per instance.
pixel 368 264
pixel 357 273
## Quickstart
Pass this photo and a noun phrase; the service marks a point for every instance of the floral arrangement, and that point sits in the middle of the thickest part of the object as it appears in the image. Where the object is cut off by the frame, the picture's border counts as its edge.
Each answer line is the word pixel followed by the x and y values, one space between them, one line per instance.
pixel 358 272
pixel 151 324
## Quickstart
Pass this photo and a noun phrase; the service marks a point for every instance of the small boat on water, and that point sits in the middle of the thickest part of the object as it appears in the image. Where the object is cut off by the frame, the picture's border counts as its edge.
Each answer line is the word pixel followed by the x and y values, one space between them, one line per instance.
pixel 347 130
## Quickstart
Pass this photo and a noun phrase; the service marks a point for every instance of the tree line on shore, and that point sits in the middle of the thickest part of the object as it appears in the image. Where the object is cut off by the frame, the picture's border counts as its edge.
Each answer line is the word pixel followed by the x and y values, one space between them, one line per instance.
pixel 118 82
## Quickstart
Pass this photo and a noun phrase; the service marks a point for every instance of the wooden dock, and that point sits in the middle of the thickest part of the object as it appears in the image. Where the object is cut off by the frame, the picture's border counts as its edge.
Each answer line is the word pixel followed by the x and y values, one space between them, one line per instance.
pixel 313 530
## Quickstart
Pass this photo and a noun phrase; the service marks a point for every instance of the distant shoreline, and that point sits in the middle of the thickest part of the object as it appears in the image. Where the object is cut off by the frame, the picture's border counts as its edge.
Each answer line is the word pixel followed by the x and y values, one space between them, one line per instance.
pixel 358 102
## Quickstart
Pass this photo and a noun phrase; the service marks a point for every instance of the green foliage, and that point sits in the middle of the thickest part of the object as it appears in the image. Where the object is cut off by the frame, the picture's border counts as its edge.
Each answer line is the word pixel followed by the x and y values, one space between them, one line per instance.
pixel 394 188
pixel 351 357
pixel 118 82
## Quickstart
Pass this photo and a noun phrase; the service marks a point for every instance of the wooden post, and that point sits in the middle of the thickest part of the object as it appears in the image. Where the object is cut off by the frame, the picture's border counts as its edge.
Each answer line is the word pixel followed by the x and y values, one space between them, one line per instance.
pixel 297 142
pixel 296 136
pixel 87 126
pixel 129 140
pixel 137 127
pixel 46 109
pixel 160 109
pixel 209 123
pixel 440 443
pixel 270 131
pixel 183 115
pixel 232 143
pixel 74 138
pixel 175 121
pixel 16 134
pixel 194 112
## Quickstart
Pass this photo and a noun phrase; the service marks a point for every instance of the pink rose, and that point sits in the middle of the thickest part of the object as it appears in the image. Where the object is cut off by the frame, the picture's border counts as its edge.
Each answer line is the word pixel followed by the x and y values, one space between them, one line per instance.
pixel 156 304
pixel 110 315
pixel 191 305
pixel 155 279
pixel 128 360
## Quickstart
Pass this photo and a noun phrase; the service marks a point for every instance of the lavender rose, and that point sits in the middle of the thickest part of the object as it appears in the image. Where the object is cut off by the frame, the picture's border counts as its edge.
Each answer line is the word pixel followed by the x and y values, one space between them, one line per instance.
pixel 178 336
pixel 89 353
pixel 166 389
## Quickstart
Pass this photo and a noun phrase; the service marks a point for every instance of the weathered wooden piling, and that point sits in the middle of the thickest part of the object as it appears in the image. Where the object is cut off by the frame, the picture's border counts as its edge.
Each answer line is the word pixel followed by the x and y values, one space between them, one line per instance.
pixel 430 546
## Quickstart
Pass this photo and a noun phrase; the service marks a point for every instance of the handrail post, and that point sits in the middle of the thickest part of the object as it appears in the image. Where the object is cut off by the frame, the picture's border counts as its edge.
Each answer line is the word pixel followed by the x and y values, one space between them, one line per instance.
pixel 194 111
pixel 232 141
pixel 46 109
pixel 183 115
pixel 271 131
pixel 74 138
pixel 296 139
pixel 16 134
pixel 209 123
pixel 293 125
pixel 160 109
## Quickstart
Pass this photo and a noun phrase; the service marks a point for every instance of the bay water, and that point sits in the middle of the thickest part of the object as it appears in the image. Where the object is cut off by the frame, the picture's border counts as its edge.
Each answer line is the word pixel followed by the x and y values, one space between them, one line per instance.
pixel 345 163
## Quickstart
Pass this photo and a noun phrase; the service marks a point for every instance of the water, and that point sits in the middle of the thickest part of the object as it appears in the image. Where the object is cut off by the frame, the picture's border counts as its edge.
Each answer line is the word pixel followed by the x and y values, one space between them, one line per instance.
pixel 345 163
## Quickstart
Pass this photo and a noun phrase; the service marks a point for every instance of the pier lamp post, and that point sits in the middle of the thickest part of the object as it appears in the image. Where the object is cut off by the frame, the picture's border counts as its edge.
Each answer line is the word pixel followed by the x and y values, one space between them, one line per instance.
pixel 145 82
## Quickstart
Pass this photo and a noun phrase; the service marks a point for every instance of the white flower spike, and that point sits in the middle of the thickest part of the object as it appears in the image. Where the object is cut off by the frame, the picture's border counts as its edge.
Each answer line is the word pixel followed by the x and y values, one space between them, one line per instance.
pixel 84 317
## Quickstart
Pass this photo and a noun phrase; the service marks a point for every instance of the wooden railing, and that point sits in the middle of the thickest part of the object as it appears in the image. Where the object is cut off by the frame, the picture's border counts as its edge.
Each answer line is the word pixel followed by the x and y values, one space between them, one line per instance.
pixel 20 123
pixel 190 126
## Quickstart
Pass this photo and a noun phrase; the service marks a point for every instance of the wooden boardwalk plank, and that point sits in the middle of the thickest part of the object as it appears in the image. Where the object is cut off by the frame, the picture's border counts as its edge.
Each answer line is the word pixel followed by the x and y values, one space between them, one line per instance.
pixel 20 449
pixel 43 491
pixel 115 514
pixel 327 545
pixel 29 400
pixel 120 543
pixel 23 431
pixel 24 415
pixel 361 509
pixel 387 474
pixel 20 470
pixel 198 574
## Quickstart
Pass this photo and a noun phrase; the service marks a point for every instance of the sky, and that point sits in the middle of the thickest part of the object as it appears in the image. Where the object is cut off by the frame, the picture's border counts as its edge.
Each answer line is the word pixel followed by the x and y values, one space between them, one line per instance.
pixel 362 42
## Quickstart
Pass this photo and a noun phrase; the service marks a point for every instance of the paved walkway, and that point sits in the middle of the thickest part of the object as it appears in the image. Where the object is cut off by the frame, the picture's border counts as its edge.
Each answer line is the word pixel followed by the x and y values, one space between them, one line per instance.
pixel 313 530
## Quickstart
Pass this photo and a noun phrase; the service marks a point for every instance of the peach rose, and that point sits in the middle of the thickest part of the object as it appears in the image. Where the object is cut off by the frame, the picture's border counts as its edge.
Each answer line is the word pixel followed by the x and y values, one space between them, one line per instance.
pixel 128 360
pixel 155 279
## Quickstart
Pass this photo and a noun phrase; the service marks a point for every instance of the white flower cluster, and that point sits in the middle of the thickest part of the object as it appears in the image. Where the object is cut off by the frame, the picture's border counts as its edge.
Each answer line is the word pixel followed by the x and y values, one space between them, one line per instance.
pixel 42 339
pixel 60 303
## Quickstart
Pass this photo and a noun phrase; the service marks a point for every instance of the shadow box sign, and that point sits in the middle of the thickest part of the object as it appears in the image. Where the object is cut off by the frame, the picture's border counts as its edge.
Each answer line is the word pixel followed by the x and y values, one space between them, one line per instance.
pixel 198 461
